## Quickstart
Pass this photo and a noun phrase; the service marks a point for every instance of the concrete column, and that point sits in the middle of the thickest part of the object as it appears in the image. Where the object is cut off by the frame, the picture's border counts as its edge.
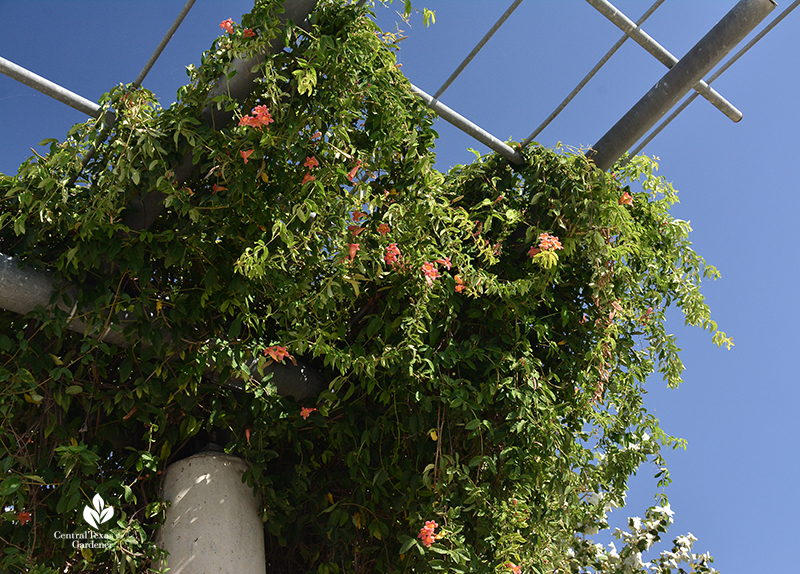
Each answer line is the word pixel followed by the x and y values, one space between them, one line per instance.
pixel 213 525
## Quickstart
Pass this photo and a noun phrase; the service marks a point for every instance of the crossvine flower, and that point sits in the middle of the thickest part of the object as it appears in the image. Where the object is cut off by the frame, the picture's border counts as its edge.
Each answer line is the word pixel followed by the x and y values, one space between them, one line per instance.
pixel 392 254
pixel 549 242
pixel 276 353
pixel 430 272
pixel 259 118
pixel 227 25
pixel 352 174
pixel 353 249
pixel 427 533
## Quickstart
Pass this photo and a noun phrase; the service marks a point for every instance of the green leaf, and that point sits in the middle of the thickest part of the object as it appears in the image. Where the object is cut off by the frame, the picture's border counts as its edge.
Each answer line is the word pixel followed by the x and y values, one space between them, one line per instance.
pixel 407 541
pixel 472 425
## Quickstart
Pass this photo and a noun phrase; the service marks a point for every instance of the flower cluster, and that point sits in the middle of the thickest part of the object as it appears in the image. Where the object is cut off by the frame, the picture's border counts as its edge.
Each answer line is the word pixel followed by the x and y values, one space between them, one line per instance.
pixel 277 353
pixel 642 535
pixel 547 242
pixel 311 163
pixel 460 285
pixel 228 24
pixel 259 118
pixel 428 533
pixel 430 272
pixel 392 256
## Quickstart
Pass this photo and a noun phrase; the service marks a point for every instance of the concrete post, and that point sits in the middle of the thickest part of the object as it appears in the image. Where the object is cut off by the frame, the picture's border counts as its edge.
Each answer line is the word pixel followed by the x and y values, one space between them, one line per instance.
pixel 213 524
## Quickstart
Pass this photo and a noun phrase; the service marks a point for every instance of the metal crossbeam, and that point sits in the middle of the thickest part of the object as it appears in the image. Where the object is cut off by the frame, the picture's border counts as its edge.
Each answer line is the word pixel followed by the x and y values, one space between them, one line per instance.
pixel 716 75
pixel 136 83
pixel 698 61
pixel 662 55
pixel 163 44
pixel 477 48
pixel 468 127
pixel 590 75
pixel 49 88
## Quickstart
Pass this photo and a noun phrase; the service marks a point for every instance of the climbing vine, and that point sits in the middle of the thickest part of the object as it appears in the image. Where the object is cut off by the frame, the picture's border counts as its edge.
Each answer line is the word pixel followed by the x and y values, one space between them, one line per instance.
pixel 484 335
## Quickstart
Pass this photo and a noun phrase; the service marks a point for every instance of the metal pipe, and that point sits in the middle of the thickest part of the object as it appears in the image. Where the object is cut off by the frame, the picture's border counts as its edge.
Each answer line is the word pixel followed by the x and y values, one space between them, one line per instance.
pixel 706 54
pixel 24 289
pixel 590 75
pixel 141 213
pixel 164 41
pixel 49 88
pixel 468 127
pixel 715 75
pixel 662 55
pixel 477 48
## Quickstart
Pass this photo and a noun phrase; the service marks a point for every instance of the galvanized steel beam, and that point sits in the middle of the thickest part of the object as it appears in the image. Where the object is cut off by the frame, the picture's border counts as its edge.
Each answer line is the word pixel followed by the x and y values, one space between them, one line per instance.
pixel 716 75
pixel 590 75
pixel 468 127
pixel 661 54
pixel 163 44
pixel 142 212
pixel 51 89
pixel 24 289
pixel 477 48
pixel 706 54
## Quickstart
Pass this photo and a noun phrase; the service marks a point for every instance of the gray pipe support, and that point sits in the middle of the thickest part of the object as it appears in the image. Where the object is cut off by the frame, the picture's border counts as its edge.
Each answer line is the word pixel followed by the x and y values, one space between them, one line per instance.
pixel 468 127
pixel 49 88
pixel 22 290
pixel 662 55
pixel 142 213
pixel 720 40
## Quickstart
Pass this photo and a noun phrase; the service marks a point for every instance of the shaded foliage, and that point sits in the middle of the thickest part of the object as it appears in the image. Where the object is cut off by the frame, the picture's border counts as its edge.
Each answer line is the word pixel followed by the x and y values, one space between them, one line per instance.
pixel 472 381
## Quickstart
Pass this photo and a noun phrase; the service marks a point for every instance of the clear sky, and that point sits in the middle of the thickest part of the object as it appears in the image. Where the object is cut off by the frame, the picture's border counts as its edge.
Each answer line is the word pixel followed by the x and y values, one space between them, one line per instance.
pixel 735 486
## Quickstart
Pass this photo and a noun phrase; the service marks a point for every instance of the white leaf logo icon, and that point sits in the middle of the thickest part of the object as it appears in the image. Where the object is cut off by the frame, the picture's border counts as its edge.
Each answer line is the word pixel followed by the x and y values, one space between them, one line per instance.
pixel 99 514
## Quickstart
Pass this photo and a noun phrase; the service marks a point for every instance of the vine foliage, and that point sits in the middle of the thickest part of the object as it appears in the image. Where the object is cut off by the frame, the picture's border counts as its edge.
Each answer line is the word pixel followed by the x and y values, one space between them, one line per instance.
pixel 485 334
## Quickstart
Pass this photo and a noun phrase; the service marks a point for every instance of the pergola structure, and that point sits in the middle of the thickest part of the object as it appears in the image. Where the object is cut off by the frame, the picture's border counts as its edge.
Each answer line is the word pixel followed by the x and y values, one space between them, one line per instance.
pixel 22 290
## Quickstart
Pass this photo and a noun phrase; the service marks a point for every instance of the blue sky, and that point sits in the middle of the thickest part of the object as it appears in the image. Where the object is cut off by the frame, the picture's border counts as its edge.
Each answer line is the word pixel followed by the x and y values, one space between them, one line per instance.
pixel 734 488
